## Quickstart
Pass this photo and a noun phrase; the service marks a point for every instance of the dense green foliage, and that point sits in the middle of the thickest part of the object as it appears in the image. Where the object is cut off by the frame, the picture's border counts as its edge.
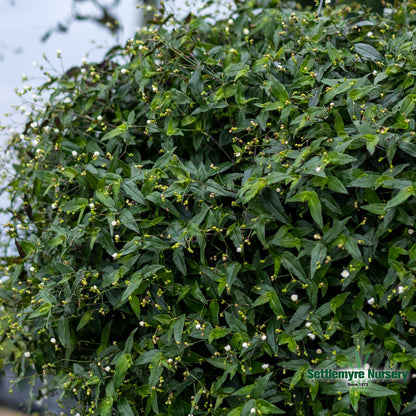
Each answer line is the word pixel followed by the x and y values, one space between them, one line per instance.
pixel 214 210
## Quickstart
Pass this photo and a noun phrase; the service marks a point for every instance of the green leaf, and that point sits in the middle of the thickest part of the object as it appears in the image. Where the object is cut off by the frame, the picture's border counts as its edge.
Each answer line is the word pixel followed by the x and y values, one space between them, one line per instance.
pixel 368 52
pixel 278 89
pixel 380 406
pixel 122 366
pixel 338 301
pixel 128 220
pixel 124 407
pixel 377 390
pixel 196 84
pixel 291 264
pixel 64 333
pixel 133 285
pixel 84 320
pixel 218 333
pixel 106 406
pixel 316 209
pixel 267 408
pixel 133 192
pixel 115 132
pixel 177 328
pixel 75 204
pixel 106 200
pixel 402 196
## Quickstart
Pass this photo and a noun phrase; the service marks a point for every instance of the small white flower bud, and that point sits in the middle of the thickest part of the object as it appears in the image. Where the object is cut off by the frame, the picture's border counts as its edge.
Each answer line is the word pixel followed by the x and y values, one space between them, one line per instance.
pixel 53 340
pixel 311 336
pixel 371 301
pixel 294 297
pixel 400 290
pixel 227 348
pixel 265 366
pixel 345 273
pixel 74 153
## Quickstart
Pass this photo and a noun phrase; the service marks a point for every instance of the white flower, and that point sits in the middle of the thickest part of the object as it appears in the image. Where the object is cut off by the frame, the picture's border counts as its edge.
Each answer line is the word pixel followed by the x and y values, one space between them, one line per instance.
pixel 123 70
pixel 27 354
pixel 32 269
pixel 371 301
pixel 149 8
pixel 400 289
pixel 53 206
pixel 318 169
pixel 38 151
pixel 33 125
pixel 253 410
pixel 53 340
pixel 369 34
pixel 115 255
pixel 142 323
pixel 265 366
pixel 92 206
pixel 244 345
pixel 239 249
pixel 311 336
pixel 169 360
pixel 107 369
pixel 375 72
pixel 227 348
pixel 198 326
pixel 96 154
pixel 345 273
pixel 230 22
pixel 414 375
pixel 77 414
pixel 327 1
pixel 294 297
pixel 99 118
pixel 308 324
pixel 246 31
pixel 149 121
pixel 113 223
pixel 410 231
pixel 58 53
pixel 319 351
pixel 264 337
pixel 74 153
